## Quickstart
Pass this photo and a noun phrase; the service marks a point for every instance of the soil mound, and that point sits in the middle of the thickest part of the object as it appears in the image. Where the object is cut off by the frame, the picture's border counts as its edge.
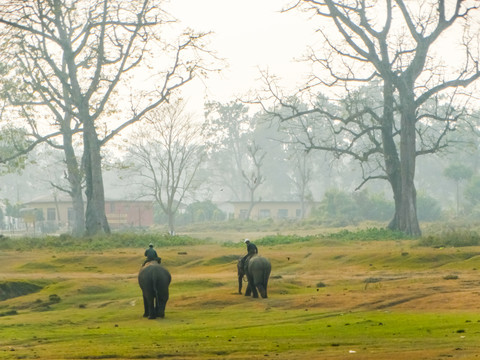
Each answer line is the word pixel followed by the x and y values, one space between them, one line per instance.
pixel 11 289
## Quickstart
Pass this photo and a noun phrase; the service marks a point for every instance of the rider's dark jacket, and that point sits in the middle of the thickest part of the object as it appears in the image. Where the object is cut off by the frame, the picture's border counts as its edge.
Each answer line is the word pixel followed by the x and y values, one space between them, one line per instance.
pixel 252 249
pixel 151 254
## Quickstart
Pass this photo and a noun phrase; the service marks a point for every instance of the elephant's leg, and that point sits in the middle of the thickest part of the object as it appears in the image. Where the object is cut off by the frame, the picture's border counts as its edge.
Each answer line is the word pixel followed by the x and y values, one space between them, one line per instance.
pixel 254 288
pixel 262 290
pixel 262 287
pixel 250 286
pixel 240 280
pixel 145 306
pixel 248 290
pixel 161 304
pixel 151 307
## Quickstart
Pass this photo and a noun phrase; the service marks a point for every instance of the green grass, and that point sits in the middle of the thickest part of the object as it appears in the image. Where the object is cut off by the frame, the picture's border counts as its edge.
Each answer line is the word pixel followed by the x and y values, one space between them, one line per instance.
pixel 378 299
pixel 228 332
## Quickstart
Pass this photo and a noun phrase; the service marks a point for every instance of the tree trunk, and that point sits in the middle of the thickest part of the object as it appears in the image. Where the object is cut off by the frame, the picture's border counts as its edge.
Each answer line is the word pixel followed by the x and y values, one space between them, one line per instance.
pixel 75 179
pixel 405 218
pixel 171 223
pixel 78 228
pixel 401 171
pixel 96 219
pixel 408 207
pixel 390 153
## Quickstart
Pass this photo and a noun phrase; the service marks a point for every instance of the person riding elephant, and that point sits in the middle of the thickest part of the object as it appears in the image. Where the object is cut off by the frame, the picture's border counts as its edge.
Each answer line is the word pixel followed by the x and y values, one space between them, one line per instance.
pixel 251 250
pixel 257 271
pixel 151 255
pixel 154 281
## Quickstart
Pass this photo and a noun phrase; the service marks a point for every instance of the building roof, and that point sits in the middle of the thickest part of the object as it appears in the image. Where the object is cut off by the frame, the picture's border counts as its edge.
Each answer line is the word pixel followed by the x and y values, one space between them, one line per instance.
pixel 64 198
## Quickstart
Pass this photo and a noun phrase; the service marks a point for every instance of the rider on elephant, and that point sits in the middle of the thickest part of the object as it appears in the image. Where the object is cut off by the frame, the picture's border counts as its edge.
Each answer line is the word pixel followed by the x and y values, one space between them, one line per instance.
pixel 251 250
pixel 151 255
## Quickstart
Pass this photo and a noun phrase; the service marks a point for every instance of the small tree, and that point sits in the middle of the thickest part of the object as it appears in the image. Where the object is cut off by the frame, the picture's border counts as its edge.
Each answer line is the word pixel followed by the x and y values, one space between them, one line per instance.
pixel 169 150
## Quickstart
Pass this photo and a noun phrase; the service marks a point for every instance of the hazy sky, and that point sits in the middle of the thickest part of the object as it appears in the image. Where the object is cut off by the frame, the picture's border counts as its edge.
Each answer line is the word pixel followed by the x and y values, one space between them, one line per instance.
pixel 253 35
pixel 250 35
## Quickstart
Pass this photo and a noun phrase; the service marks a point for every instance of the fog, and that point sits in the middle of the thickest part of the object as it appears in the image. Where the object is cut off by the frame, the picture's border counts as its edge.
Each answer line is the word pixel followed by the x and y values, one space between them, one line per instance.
pixel 43 175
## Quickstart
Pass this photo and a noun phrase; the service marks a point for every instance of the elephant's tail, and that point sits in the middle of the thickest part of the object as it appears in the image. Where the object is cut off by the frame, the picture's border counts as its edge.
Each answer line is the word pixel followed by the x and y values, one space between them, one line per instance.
pixel 155 282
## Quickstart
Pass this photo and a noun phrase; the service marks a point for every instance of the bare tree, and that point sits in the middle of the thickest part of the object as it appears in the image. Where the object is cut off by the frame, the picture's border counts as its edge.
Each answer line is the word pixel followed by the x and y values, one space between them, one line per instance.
pixel 239 154
pixel 102 65
pixel 392 41
pixel 169 150
pixel 227 126
pixel 252 173
pixel 301 178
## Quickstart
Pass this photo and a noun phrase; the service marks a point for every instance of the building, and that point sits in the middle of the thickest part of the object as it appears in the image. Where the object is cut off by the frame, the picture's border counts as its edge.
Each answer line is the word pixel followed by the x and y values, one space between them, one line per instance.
pixel 56 212
pixel 276 210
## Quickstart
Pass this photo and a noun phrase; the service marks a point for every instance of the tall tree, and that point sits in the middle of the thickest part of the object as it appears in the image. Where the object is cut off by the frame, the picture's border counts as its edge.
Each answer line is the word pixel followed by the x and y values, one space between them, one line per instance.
pixel 91 60
pixel 393 41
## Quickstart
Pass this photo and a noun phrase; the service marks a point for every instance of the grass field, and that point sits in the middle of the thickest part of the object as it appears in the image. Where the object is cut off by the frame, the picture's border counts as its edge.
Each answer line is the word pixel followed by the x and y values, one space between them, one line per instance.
pixel 328 299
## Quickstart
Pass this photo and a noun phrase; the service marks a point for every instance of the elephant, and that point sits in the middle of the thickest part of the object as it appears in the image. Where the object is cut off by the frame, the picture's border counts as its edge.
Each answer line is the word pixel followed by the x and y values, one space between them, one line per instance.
pixel 257 269
pixel 154 280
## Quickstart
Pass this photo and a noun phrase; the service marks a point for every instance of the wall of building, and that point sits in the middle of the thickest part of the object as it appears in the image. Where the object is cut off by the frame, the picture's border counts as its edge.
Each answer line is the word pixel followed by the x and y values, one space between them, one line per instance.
pixel 270 210
pixel 59 214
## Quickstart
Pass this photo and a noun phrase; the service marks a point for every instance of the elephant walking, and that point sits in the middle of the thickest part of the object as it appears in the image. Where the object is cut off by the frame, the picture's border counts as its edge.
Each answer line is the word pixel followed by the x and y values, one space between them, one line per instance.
pixel 257 269
pixel 154 280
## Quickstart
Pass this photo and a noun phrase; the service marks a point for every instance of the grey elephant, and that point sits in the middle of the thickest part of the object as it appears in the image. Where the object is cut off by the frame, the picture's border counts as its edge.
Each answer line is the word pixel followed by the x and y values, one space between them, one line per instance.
pixel 154 281
pixel 257 269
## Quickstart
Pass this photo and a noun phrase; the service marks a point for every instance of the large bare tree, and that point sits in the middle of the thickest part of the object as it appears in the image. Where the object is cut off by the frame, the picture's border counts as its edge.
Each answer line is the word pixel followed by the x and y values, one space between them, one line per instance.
pixel 100 64
pixel 395 43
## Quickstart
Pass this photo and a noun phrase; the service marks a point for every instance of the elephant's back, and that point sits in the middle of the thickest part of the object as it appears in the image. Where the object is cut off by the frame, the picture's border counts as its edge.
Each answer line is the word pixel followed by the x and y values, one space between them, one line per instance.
pixel 259 262
pixel 151 270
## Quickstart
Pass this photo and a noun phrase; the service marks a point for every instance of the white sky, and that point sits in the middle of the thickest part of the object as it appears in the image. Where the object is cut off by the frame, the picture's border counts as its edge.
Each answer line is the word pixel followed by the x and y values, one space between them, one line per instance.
pixel 253 35
pixel 250 35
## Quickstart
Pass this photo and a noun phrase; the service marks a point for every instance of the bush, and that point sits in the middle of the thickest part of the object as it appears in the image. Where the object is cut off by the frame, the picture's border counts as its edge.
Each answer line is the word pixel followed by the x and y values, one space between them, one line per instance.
pixel 339 208
pixel 100 242
pixel 374 206
pixel 428 209
pixel 368 235
pixel 451 239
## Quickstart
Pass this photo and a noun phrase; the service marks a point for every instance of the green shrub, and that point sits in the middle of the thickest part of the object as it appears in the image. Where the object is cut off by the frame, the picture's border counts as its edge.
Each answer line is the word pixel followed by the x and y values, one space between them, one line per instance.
pixel 428 208
pixel 340 208
pixel 374 206
pixel 368 235
pixel 99 242
pixel 283 239
pixel 456 238
pixel 337 208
